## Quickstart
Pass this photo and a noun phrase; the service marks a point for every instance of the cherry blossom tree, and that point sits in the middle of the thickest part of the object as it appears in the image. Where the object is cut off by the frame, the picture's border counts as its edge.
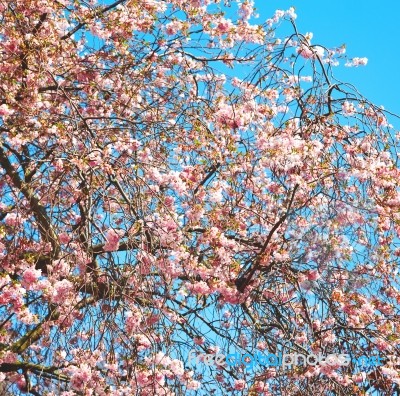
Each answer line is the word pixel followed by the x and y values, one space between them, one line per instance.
pixel 175 177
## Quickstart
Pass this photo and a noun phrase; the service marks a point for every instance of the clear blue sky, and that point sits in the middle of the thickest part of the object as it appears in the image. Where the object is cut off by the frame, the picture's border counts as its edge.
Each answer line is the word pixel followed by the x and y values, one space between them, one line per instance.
pixel 368 28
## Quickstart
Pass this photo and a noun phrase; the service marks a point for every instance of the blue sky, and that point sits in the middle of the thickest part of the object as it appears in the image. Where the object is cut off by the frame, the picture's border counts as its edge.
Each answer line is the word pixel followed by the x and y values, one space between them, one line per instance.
pixel 368 28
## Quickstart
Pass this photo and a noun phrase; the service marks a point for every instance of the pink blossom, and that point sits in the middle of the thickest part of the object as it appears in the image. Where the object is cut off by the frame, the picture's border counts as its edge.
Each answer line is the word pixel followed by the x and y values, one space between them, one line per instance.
pixel 319 51
pixel 359 377
pixel 199 288
pixel 302 337
pixel 310 52
pixel 21 383
pixel 5 110
pixel 216 196
pixel 381 344
pixel 134 144
pixel 348 108
pixel 59 165
pixel 61 267
pixel 143 342
pixel 95 158
pixel 193 385
pixel 26 317
pixel 133 320
pixel 61 291
pixel 313 275
pixel 142 378
pixel 389 372
pixel 329 337
pixel 246 9
pixel 367 308
pixel 291 13
pixel 29 277
pixel 306 52
pixel 112 238
pixel 176 366
pixel 326 369
pixel 195 214
pixel 239 385
pixel 224 26
pixel 81 377
pixel 173 27
pixel 13 220
pixel 64 238
pixel 260 386
pixel 198 340
pixel 161 358
pixel 229 117
pixel 357 62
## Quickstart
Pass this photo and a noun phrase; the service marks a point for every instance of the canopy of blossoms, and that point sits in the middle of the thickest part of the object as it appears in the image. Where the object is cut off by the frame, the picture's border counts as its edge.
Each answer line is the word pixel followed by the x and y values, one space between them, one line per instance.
pixel 179 175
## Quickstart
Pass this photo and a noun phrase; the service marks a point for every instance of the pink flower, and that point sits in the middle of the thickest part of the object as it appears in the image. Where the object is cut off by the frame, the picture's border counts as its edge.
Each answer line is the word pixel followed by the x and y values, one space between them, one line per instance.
pixel 316 325
pixel 199 288
pixel 61 267
pixel 305 52
pixel 216 196
pixel 2 248
pixel 261 387
pixel 5 110
pixel 59 165
pixel 313 275
pixel 381 344
pixel 193 385
pixel 21 383
pixel 239 385
pixel 326 369
pixel 198 340
pixel 112 243
pixel 64 238
pixel 246 9
pixel 329 337
pixel 161 358
pixel 302 337
pixel 348 108
pixel 62 290
pixel 359 377
pixel 227 117
pixel 367 308
pixel 134 144
pixel 310 52
pixel 357 62
pixel 290 13
pixel 81 377
pixel 176 366
pixel 173 27
pixel 132 322
pixel 29 277
pixel 224 26
pixel 195 214
pixel 143 342
pixel 319 51
pixel 13 220
pixel 142 378
pixel 26 317
pixel 95 158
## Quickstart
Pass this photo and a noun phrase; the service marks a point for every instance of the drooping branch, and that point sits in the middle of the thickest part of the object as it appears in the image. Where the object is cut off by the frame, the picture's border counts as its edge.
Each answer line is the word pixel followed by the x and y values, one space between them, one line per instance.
pixel 245 279
pixel 83 24
pixel 45 227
